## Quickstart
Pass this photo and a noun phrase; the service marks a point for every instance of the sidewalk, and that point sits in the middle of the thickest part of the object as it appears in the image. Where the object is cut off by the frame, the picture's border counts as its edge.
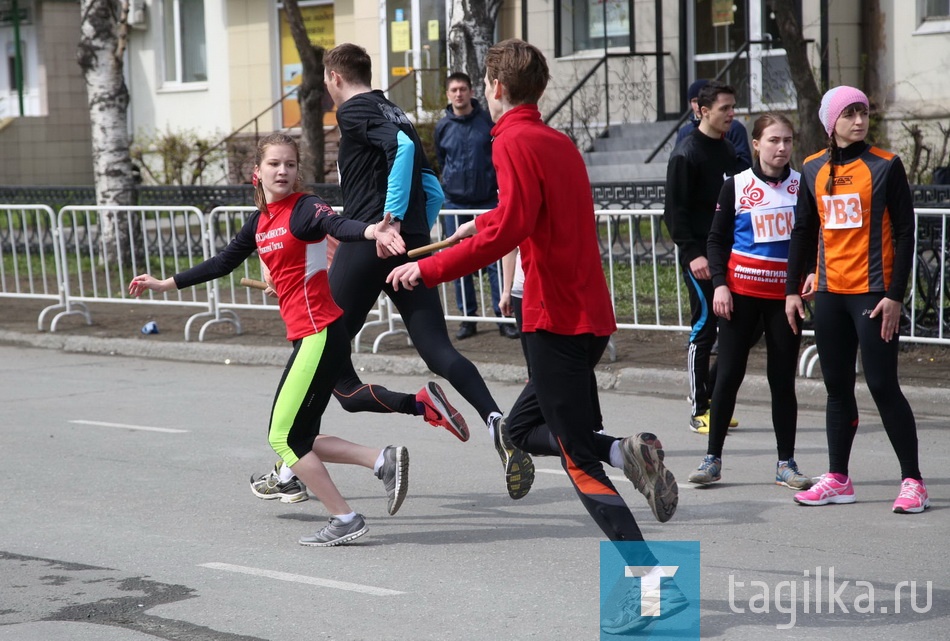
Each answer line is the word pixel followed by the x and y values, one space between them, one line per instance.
pixel 651 363
pixel 179 563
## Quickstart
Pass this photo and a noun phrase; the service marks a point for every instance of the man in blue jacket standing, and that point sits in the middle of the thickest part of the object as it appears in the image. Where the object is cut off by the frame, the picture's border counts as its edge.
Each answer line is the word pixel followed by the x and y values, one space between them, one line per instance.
pixel 463 148
pixel 737 133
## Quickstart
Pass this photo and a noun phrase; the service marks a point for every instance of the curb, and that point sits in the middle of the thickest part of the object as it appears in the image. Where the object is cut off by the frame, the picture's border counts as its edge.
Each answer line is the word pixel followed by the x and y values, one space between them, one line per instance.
pixel 629 380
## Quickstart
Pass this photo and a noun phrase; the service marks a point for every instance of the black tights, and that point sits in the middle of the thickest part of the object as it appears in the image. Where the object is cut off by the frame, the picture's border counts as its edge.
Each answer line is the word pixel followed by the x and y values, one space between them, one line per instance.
pixel 556 415
pixel 842 324
pixel 782 344
pixel 357 276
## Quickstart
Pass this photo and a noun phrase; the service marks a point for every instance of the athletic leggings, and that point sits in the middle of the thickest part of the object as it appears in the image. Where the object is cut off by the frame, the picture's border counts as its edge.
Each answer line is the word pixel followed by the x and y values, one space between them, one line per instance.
pixel 556 415
pixel 304 391
pixel 842 323
pixel 782 345
pixel 701 339
pixel 529 406
pixel 357 276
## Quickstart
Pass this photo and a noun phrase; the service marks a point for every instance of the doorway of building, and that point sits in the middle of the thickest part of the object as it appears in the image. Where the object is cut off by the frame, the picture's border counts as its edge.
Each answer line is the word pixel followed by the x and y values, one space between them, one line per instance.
pixel 721 28
pixel 414 54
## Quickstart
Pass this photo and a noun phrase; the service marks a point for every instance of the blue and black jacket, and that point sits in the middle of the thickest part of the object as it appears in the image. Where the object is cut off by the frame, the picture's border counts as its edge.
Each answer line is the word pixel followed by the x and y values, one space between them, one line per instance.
pixel 383 167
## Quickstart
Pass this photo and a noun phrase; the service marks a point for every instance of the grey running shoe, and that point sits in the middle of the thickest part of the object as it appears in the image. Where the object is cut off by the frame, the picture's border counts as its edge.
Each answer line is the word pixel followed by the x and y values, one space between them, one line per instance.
pixel 709 471
pixel 336 533
pixel 519 468
pixel 394 473
pixel 637 612
pixel 643 465
pixel 268 487
pixel 787 474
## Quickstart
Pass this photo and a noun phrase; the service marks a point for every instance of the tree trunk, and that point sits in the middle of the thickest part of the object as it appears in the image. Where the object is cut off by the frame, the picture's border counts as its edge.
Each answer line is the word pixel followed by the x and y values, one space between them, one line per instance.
pixel 310 94
pixel 471 34
pixel 875 44
pixel 811 133
pixel 103 38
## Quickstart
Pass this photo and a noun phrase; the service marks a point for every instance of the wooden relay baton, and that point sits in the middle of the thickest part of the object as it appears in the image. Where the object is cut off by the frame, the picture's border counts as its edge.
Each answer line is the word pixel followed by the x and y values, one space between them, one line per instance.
pixel 425 249
pixel 254 284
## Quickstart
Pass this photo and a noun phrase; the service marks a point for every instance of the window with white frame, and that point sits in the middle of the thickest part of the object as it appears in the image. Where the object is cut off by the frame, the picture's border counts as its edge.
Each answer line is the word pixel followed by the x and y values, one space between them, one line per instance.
pixel 21 93
pixel 934 9
pixel 933 17
pixel 762 77
pixel 184 36
pixel 592 25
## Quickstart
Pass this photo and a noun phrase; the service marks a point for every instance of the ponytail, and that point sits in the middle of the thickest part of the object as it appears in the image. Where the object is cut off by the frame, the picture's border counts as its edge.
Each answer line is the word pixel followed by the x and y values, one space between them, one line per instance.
pixel 260 201
pixel 832 146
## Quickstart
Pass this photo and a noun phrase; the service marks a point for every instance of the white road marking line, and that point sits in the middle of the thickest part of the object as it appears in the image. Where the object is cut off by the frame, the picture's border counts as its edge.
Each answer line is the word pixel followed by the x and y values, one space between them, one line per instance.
pixel 299 578
pixel 140 428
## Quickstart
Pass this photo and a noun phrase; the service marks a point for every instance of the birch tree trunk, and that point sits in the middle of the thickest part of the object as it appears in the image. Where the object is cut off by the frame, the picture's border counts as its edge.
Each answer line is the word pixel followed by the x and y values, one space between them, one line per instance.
pixel 310 94
pixel 103 38
pixel 471 34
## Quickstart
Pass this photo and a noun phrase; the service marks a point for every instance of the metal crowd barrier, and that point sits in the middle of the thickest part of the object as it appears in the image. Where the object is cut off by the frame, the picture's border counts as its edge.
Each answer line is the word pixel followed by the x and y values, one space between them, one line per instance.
pixel 228 295
pixel 102 248
pixel 484 303
pixel 29 262
pixel 66 259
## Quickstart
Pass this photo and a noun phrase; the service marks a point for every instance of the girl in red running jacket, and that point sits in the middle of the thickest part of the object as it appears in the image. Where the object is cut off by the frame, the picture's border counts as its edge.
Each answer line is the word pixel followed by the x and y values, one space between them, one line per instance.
pixel 289 232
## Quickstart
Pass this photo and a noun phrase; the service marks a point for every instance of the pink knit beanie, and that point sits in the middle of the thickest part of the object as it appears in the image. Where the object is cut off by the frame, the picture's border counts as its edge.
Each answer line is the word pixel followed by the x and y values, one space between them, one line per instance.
pixel 835 101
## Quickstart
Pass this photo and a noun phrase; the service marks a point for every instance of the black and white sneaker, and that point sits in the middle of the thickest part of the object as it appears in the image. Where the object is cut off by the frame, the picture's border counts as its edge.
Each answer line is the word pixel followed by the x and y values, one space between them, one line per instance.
pixel 268 487
pixel 394 473
pixel 336 532
pixel 519 468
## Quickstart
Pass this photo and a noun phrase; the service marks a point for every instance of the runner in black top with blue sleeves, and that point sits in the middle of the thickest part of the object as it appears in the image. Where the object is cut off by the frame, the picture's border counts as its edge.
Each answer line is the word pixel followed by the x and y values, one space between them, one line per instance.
pixel 383 170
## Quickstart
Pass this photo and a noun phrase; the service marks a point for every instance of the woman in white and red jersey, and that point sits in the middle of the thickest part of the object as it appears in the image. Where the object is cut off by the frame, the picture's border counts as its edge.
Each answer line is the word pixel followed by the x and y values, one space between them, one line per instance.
pixel 856 216
pixel 747 251
pixel 289 232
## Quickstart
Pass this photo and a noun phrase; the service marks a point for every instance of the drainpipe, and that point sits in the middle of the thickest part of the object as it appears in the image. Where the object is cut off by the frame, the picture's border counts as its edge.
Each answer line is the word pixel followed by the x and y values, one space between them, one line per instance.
pixel 17 55
pixel 524 20
pixel 823 26
pixel 660 72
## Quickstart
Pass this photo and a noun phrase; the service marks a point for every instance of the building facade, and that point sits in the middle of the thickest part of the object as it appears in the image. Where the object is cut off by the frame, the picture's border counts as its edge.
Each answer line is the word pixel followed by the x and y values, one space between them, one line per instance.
pixel 216 67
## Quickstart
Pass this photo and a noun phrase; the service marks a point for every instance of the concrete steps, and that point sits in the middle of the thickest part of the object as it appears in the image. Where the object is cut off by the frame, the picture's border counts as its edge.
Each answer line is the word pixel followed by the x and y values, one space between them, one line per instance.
pixel 621 155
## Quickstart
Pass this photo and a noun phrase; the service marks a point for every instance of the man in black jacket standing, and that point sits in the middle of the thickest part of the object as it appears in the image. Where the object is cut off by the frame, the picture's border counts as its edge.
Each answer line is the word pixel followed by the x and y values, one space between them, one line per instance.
pixel 697 168
pixel 463 148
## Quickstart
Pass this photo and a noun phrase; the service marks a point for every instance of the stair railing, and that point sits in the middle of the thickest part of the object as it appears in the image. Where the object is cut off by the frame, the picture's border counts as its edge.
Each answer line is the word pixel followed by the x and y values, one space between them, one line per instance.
pixel 620 86
pixel 744 49
pixel 253 121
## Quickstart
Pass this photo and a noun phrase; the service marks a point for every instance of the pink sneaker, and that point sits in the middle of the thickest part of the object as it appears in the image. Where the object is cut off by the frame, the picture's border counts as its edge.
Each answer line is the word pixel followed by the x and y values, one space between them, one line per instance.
pixel 827 490
pixel 913 497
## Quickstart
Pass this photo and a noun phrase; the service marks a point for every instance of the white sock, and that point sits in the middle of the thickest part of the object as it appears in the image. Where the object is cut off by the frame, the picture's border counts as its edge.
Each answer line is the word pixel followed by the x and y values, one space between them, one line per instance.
pixel 285 473
pixel 493 419
pixel 616 458
pixel 379 461
pixel 346 518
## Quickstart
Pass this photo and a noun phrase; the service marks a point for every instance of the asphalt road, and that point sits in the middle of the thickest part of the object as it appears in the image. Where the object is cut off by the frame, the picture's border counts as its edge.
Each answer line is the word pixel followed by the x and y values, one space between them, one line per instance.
pixel 127 517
